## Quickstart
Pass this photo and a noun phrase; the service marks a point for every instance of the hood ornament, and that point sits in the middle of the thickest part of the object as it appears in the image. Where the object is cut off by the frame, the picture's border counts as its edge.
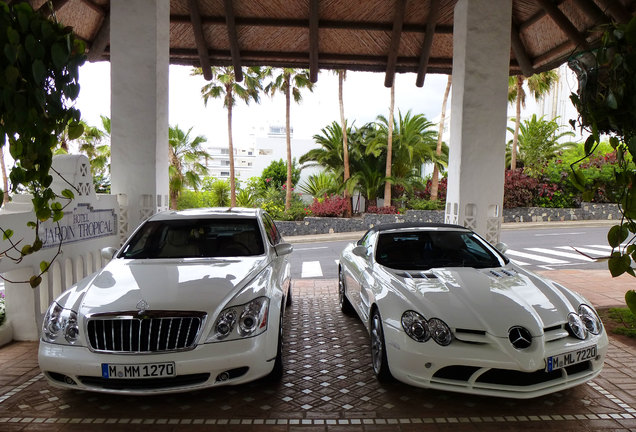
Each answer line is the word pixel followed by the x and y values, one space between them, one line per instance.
pixel 142 307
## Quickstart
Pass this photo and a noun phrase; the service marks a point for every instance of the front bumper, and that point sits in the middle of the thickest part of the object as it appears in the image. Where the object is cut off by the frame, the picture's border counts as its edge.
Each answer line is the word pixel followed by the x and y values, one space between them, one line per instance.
pixel 208 365
pixel 489 369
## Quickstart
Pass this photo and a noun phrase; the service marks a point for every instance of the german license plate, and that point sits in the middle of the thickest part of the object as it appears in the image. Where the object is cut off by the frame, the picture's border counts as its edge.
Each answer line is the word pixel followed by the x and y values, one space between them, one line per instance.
pixel 137 371
pixel 570 358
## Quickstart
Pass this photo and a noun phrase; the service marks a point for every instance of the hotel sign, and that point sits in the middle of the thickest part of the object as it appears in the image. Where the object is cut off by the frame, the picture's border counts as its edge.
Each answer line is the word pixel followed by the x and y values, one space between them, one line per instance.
pixel 83 223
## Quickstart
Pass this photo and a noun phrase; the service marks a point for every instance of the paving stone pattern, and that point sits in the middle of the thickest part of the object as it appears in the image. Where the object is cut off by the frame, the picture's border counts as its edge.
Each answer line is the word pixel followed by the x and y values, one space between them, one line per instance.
pixel 328 386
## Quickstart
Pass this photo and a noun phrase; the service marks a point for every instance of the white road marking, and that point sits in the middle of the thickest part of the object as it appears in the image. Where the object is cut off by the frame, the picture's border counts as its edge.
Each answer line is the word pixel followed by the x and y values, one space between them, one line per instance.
pixel 535 257
pixel 311 269
pixel 571 255
pixel 311 248
pixel 591 252
pixel 558 234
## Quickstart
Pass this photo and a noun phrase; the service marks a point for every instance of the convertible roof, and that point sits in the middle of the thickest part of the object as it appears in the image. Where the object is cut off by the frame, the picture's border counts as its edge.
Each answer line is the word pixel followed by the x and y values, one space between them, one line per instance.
pixel 407 225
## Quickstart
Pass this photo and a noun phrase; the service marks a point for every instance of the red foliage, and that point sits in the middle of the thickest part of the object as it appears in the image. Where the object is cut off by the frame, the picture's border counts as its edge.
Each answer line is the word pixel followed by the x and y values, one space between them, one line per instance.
pixel 519 189
pixel 329 206
pixel 441 190
pixel 383 210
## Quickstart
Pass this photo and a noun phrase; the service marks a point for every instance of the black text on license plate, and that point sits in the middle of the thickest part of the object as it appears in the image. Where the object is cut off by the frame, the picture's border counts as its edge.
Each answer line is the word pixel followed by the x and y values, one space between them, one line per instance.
pixel 570 358
pixel 136 371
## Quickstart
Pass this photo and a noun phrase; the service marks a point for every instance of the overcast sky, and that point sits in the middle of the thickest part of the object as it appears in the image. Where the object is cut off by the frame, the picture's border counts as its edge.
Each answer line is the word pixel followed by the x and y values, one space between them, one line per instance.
pixel 365 97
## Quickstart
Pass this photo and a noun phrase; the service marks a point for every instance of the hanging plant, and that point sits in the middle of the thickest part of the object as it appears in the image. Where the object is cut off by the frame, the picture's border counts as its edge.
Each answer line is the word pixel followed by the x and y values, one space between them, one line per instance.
pixel 606 101
pixel 39 74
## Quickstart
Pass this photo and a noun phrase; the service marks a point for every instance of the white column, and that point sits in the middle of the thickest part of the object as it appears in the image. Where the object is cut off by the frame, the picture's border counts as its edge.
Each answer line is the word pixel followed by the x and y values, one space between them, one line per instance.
pixel 139 52
pixel 481 57
pixel 21 305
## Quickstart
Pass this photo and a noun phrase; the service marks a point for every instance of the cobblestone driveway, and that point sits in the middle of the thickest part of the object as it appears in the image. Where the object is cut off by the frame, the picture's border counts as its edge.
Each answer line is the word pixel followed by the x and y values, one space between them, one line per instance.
pixel 328 386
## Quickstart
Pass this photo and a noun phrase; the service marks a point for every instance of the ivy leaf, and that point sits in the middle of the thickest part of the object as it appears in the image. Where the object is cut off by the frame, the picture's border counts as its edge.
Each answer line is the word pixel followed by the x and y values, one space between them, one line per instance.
pixel 630 299
pixel 617 235
pixel 39 70
pixel 44 265
pixel 631 146
pixel 43 214
pixel 11 74
pixel 26 250
pixel 35 281
pixel 67 193
pixel 75 130
pixel 59 54
pixel 7 234
pixel 589 144
pixel 618 264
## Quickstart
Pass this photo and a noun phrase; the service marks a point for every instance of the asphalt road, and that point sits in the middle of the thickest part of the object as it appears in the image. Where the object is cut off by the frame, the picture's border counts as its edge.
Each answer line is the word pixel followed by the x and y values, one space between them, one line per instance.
pixel 535 248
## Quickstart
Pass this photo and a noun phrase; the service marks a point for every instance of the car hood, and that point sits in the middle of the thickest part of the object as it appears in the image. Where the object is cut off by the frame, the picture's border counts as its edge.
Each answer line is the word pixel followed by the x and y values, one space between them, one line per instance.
pixel 183 284
pixel 491 300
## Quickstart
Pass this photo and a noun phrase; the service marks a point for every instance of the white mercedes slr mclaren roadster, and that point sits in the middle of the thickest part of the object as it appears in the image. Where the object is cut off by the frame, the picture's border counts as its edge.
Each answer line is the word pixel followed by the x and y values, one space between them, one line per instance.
pixel 193 299
pixel 448 311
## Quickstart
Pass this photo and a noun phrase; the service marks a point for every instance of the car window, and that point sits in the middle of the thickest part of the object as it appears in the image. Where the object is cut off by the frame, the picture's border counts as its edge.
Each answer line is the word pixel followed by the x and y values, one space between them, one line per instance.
pixel 270 228
pixel 423 250
pixel 195 238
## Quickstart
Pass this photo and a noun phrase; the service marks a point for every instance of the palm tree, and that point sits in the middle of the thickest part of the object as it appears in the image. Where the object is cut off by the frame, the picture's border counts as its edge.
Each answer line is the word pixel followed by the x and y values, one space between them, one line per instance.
pixel 389 151
pixel 185 167
pixel 342 75
pixel 540 141
pixel 289 82
pixel 414 143
pixel 95 144
pixel 438 152
pixel 224 85
pixel 330 154
pixel 539 85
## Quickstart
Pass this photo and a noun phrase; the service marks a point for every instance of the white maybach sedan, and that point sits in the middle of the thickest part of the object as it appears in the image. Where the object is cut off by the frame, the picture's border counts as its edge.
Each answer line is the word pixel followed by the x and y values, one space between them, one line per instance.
pixel 448 311
pixel 193 299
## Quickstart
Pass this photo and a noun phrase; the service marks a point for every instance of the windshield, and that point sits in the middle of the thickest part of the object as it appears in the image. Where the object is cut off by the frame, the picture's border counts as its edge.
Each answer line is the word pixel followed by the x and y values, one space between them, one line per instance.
pixel 423 250
pixel 195 238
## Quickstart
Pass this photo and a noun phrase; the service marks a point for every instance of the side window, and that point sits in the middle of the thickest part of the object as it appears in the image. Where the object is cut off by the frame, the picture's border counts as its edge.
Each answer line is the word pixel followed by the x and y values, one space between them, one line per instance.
pixel 272 232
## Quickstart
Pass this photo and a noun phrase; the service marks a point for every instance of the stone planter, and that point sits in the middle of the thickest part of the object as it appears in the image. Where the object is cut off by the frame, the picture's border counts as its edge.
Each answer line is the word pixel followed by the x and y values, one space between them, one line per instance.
pixel 6 333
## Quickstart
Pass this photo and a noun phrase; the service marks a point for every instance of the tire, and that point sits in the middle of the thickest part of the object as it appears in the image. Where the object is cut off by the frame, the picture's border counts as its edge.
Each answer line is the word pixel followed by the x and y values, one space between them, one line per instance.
pixel 343 301
pixel 378 349
pixel 277 372
pixel 288 300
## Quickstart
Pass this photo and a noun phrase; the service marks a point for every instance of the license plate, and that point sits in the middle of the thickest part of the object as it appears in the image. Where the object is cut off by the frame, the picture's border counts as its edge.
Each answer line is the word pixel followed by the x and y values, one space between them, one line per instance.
pixel 137 371
pixel 570 358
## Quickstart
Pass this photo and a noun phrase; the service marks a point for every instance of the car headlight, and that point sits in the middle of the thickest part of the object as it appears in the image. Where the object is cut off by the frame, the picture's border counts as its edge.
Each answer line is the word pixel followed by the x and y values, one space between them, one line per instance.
pixel 60 325
pixel 590 319
pixel 421 330
pixel 241 321
pixel 576 326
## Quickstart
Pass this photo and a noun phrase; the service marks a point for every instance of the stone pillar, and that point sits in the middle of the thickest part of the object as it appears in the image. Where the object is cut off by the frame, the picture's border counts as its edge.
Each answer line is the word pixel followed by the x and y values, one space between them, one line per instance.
pixel 139 53
pixel 481 57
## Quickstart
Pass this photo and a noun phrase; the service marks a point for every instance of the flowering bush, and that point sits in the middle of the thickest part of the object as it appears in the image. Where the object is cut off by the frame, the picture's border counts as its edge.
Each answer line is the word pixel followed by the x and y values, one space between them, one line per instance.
pixel 383 210
pixel 519 189
pixel 2 309
pixel 329 206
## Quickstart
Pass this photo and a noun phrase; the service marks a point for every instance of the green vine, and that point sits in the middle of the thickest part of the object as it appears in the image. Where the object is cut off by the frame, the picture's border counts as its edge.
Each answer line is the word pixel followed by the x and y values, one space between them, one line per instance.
pixel 39 73
pixel 606 102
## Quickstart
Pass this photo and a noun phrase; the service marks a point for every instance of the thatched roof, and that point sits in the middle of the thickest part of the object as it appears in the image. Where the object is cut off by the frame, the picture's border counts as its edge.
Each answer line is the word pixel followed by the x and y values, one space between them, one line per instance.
pixel 389 36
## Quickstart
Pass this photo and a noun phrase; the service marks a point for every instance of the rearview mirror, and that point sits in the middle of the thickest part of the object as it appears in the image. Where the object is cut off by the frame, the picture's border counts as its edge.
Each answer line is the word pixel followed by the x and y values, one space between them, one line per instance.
pixel 108 252
pixel 501 247
pixel 360 251
pixel 283 249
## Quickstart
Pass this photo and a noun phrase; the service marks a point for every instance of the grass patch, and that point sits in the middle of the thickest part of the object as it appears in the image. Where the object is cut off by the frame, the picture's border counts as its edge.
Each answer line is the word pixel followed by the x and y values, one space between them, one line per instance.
pixel 625 321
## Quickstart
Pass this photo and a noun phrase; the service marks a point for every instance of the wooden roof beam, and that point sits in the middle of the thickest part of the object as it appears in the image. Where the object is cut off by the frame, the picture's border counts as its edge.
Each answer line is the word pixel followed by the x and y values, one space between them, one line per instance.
pixel 233 38
pixel 100 41
pixel 396 35
pixel 199 39
pixel 313 40
pixel 589 8
pixel 431 23
pixel 520 51
pixel 616 10
pixel 564 23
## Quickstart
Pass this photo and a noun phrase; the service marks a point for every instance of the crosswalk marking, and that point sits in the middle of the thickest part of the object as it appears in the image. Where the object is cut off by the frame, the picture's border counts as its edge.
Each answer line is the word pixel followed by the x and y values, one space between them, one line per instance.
pixel 571 255
pixel 591 252
pixel 311 269
pixel 534 257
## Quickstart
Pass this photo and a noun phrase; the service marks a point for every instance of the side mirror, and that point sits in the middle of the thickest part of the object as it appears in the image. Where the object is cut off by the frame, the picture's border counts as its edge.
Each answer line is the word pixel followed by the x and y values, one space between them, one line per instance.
pixel 108 252
pixel 360 251
pixel 283 249
pixel 501 247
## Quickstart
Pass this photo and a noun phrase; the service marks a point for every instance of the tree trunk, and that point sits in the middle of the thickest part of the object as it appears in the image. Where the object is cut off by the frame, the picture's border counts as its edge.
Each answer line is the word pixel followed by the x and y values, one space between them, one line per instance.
pixel 435 179
pixel 345 145
pixel 515 137
pixel 5 180
pixel 230 145
pixel 288 191
pixel 389 151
